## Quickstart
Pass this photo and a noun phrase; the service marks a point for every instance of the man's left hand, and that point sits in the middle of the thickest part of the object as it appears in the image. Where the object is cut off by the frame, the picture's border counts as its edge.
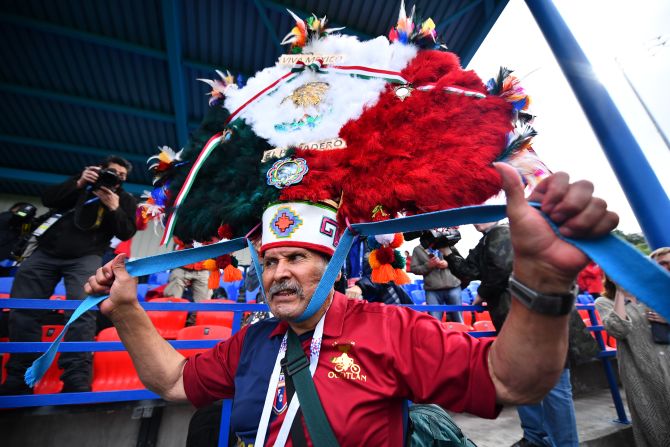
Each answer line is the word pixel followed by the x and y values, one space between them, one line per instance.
pixel 108 198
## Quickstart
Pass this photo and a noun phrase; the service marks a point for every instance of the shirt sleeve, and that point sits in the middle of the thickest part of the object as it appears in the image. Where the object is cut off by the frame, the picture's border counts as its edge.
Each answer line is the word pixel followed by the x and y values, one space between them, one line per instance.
pixel 123 218
pixel 616 326
pixel 210 376
pixel 448 368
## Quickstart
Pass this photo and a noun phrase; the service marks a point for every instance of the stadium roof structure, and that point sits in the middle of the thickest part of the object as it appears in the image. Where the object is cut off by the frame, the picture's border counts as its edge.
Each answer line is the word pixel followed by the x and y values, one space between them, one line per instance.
pixel 82 79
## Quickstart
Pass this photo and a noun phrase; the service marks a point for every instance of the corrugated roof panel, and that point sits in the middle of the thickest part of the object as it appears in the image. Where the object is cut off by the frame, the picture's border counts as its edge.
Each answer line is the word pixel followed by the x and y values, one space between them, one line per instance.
pixel 128 20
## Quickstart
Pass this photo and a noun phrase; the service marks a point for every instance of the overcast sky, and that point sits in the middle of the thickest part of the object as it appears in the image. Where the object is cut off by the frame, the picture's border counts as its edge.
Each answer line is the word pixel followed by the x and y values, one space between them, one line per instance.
pixel 605 29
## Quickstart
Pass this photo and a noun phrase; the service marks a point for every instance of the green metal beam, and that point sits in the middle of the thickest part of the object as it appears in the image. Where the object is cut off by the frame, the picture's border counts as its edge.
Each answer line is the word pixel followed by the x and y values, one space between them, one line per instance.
pixel 456 15
pixel 66 147
pixel 477 37
pixel 97 39
pixel 86 102
pixel 173 35
pixel 262 13
pixel 48 178
pixel 89 102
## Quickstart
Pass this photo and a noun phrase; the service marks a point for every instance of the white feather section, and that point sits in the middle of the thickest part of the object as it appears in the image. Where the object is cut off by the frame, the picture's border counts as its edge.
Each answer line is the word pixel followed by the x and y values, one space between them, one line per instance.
pixel 344 100
pixel 384 239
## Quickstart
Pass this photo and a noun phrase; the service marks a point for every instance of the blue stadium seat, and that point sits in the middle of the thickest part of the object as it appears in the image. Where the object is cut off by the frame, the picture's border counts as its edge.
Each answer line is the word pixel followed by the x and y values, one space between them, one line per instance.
pixel 419 296
pixel 60 288
pixel 142 290
pixel 6 284
pixel 159 278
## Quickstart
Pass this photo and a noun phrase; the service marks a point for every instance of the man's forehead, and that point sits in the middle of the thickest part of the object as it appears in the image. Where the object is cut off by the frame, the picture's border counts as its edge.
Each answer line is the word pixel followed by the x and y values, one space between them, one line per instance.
pixel 283 252
pixel 118 168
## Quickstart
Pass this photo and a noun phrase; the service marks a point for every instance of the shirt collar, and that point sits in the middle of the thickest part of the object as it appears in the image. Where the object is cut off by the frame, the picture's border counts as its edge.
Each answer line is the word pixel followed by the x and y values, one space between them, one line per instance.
pixel 334 318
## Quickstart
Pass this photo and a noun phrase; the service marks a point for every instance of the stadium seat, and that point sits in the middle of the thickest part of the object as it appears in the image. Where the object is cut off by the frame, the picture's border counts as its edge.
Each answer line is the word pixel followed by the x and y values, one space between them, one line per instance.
pixel 419 296
pixel 468 317
pixel 204 332
pixel 60 288
pixel 459 327
pixel 215 318
pixel 142 290
pixel 158 278
pixel 51 382
pixel 6 284
pixel 483 316
pixel 483 326
pixel 168 322
pixel 113 370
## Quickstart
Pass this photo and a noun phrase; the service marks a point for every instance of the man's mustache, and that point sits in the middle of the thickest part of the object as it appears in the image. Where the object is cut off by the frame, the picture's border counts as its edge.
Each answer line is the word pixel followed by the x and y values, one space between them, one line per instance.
pixel 286 286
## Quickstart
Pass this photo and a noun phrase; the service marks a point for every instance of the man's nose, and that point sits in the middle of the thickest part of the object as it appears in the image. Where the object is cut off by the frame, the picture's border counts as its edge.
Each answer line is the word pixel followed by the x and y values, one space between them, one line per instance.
pixel 282 271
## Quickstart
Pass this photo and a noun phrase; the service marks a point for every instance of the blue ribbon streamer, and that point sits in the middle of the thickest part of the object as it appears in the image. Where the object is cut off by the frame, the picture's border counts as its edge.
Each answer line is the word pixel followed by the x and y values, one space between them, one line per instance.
pixel 620 260
pixel 138 267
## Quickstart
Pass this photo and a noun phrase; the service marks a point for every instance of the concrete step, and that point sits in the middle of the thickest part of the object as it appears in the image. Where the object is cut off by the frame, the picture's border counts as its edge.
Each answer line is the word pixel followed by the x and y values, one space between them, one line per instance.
pixel 595 414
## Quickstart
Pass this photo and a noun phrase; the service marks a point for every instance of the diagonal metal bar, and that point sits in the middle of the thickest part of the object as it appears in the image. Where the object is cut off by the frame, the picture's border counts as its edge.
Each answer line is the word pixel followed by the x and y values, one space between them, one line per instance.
pixel 48 178
pixel 67 147
pixel 262 13
pixel 456 15
pixel 477 37
pixel 173 35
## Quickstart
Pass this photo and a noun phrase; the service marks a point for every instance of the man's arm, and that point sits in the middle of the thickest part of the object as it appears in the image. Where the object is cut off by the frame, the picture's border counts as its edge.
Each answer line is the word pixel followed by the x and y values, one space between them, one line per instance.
pixel 61 196
pixel 546 264
pixel 497 263
pixel 158 364
pixel 421 264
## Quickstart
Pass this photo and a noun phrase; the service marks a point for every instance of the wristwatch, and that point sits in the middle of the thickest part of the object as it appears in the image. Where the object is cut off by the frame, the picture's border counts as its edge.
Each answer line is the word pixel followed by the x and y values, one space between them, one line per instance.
pixel 555 305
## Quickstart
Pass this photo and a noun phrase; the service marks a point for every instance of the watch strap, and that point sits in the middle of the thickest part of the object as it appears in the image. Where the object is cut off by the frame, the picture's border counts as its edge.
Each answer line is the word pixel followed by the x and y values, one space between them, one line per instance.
pixel 545 304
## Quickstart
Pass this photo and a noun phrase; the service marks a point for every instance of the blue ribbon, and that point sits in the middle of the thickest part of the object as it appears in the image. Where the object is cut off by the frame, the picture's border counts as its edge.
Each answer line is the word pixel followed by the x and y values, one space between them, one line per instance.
pixel 138 267
pixel 620 260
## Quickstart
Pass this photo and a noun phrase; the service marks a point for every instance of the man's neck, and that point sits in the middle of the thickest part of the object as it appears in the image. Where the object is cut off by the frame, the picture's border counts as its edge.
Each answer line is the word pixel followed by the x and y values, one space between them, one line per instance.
pixel 308 325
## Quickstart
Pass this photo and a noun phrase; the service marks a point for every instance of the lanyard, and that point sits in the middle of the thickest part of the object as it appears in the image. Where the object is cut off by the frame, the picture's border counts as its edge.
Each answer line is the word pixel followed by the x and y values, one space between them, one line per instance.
pixel 314 351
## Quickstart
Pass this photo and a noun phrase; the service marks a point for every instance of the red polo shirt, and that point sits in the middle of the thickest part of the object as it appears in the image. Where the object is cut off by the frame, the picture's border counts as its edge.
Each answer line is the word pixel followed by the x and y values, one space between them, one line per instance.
pixel 373 357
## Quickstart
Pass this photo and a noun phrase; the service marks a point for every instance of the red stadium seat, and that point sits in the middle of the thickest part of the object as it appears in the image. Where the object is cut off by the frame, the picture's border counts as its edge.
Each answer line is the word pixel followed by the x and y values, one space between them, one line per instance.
pixel 482 326
pixel 205 332
pixel 483 316
pixel 59 298
pixel 168 322
pixel 459 327
pixel 215 318
pixel 50 383
pixel 113 370
pixel 467 317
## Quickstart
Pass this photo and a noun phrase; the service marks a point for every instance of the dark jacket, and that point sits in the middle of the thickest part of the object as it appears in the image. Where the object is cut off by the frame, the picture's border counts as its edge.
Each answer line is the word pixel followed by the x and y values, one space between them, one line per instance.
pixel 69 239
pixel 491 262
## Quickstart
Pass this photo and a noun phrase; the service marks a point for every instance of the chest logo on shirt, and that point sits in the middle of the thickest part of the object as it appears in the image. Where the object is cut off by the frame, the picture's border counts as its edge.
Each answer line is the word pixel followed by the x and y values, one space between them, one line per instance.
pixel 345 366
pixel 280 403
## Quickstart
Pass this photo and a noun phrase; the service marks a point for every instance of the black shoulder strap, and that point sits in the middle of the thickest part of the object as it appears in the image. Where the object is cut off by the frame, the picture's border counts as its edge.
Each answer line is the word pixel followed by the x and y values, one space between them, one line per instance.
pixel 297 367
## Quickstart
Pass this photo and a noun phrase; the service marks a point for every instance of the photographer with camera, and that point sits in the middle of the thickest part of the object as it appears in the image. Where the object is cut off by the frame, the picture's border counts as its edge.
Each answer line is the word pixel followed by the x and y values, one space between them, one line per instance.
pixel 87 210
pixel 441 286
pixel 15 223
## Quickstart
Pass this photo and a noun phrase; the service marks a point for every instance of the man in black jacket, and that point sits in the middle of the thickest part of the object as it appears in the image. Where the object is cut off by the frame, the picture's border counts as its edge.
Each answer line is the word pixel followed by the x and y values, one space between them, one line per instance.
pixel 88 210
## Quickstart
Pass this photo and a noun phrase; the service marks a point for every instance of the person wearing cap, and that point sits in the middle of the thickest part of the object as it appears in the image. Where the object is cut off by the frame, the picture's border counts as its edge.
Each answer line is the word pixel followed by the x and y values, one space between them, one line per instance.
pixel 372 357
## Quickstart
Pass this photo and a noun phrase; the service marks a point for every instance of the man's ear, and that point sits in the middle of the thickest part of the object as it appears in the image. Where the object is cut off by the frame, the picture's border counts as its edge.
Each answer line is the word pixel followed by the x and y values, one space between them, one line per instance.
pixel 339 276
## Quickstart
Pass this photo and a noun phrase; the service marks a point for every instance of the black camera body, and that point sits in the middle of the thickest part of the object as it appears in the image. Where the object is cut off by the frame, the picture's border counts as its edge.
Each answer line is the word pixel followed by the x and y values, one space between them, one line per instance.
pixel 22 215
pixel 440 238
pixel 107 178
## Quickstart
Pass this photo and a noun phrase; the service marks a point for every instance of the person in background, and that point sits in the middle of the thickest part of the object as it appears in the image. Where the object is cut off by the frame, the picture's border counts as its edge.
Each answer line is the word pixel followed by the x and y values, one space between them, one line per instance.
pixel 89 209
pixel 644 360
pixel 441 286
pixel 590 280
pixel 15 223
pixel 195 276
pixel 408 261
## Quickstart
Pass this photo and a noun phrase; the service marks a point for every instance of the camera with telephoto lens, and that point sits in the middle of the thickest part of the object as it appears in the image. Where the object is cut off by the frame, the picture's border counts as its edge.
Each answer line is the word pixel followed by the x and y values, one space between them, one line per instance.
pixel 440 238
pixel 107 178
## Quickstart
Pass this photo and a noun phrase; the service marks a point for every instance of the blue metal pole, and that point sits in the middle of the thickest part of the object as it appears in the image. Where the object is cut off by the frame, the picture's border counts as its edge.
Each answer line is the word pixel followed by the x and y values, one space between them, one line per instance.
pixel 609 373
pixel 645 194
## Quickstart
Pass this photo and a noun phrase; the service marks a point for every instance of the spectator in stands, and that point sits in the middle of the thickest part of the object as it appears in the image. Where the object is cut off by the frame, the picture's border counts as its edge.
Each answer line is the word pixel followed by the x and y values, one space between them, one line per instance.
pixel 441 286
pixel 195 276
pixel 590 280
pixel 491 262
pixel 88 210
pixel 644 358
pixel 408 261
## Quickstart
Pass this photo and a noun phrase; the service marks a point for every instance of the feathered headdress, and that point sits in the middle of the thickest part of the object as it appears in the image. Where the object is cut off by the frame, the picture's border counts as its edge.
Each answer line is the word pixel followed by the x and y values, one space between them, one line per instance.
pixel 305 30
pixel 387 130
